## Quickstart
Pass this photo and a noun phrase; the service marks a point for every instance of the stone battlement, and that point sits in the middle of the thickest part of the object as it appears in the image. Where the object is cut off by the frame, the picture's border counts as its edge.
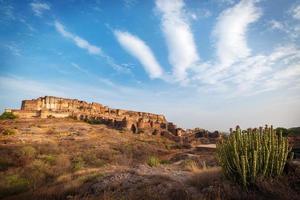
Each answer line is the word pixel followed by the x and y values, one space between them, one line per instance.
pixel 137 122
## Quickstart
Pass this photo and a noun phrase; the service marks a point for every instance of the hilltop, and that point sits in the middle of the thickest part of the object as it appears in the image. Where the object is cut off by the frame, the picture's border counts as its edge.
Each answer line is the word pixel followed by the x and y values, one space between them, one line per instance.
pixel 59 156
pixel 71 159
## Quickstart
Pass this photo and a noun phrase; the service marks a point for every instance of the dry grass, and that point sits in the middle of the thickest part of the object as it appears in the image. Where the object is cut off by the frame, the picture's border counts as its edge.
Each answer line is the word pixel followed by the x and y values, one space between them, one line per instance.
pixel 61 159
pixel 58 151
pixel 205 177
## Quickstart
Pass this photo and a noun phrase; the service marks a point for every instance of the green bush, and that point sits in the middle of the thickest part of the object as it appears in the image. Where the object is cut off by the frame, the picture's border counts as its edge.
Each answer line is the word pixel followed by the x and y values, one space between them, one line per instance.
pixel 93 121
pixel 78 163
pixel 5 163
pixel 7 115
pixel 294 131
pixel 13 184
pixel 289 132
pixel 50 159
pixel 153 161
pixel 90 158
pixel 26 155
pixel 28 152
pixel 246 155
pixel 9 132
pixel 37 172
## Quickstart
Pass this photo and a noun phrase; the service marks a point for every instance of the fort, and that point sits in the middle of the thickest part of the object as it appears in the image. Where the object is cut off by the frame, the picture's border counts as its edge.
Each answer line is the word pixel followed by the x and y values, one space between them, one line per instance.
pixel 56 107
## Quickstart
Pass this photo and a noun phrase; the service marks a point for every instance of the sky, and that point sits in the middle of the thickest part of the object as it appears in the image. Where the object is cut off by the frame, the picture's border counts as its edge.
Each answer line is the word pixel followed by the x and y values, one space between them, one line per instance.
pixel 212 64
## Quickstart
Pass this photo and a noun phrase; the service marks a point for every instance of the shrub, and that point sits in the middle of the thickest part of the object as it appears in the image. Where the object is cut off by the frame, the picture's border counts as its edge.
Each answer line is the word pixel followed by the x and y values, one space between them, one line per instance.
pixel 191 165
pixel 7 115
pixel 78 163
pixel 37 172
pixel 62 164
pixel 9 132
pixel 165 162
pixel 206 177
pixel 5 163
pixel 50 159
pixel 90 158
pixel 13 184
pixel 26 155
pixel 28 152
pixel 93 121
pixel 246 155
pixel 153 161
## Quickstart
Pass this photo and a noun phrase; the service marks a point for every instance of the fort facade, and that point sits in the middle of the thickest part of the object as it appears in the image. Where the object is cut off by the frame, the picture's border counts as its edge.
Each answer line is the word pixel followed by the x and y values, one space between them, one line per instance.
pixel 56 107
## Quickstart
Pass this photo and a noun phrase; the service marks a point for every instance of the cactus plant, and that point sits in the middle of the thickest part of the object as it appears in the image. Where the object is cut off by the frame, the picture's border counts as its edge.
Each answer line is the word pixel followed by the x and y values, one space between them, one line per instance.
pixel 246 155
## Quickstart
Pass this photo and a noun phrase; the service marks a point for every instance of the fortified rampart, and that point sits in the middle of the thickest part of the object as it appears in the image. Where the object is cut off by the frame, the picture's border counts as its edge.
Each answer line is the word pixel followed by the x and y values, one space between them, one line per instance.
pixel 55 107
pixel 137 122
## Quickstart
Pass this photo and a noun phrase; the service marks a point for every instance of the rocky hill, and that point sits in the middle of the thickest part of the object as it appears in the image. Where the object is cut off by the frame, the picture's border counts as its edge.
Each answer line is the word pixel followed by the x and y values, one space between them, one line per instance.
pixel 95 113
pixel 72 159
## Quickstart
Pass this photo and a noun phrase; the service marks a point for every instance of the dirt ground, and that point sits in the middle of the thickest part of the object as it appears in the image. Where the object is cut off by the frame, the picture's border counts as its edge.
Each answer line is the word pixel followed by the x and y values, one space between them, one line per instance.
pixel 60 151
pixel 69 159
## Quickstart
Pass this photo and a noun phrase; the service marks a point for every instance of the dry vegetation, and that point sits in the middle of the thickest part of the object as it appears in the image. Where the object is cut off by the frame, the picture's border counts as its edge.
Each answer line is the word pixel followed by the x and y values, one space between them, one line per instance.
pixel 68 159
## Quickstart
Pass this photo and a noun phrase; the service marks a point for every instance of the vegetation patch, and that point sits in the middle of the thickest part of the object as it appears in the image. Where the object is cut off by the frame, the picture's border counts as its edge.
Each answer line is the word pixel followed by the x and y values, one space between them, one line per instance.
pixel 78 163
pixel 153 161
pixel 7 115
pixel 289 131
pixel 28 152
pixel 206 177
pixel 5 163
pixel 191 165
pixel 50 159
pixel 13 184
pixel 249 154
pixel 9 131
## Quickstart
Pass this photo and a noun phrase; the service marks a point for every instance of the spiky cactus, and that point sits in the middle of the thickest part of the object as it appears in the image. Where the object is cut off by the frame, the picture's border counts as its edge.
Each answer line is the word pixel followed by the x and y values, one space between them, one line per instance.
pixel 246 155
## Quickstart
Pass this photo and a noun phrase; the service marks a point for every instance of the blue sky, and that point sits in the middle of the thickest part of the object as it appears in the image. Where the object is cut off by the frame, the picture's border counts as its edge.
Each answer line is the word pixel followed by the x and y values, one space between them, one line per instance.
pixel 202 63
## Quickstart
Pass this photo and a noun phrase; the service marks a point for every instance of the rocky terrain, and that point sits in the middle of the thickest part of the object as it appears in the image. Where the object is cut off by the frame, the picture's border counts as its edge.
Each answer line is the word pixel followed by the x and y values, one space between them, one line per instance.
pixel 71 159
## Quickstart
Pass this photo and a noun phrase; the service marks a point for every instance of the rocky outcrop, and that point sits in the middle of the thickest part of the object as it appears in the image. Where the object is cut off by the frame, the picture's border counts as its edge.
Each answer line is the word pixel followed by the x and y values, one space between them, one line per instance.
pixel 55 107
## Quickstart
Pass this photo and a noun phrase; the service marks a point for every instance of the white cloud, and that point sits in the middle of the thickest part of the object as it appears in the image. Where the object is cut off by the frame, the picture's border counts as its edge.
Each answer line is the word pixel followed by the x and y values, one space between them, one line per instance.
pixel 80 42
pixel 6 11
pixel 179 38
pixel 139 49
pixel 39 8
pixel 129 3
pixel 296 11
pixel 92 49
pixel 199 13
pixel 289 27
pixel 13 48
pixel 277 25
pixel 231 29
pixel 254 74
pixel 80 68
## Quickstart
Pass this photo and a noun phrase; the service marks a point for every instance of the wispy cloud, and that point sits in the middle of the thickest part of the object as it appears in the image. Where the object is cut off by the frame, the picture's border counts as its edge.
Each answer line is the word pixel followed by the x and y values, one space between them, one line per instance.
pixel 6 11
pixel 90 48
pixel 140 50
pixel 231 29
pixel 179 37
pixel 291 25
pixel 254 74
pixel 295 11
pixel 76 66
pixel 274 24
pixel 39 7
pixel 80 42
pixel 240 72
pixel 13 48
pixel 129 3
